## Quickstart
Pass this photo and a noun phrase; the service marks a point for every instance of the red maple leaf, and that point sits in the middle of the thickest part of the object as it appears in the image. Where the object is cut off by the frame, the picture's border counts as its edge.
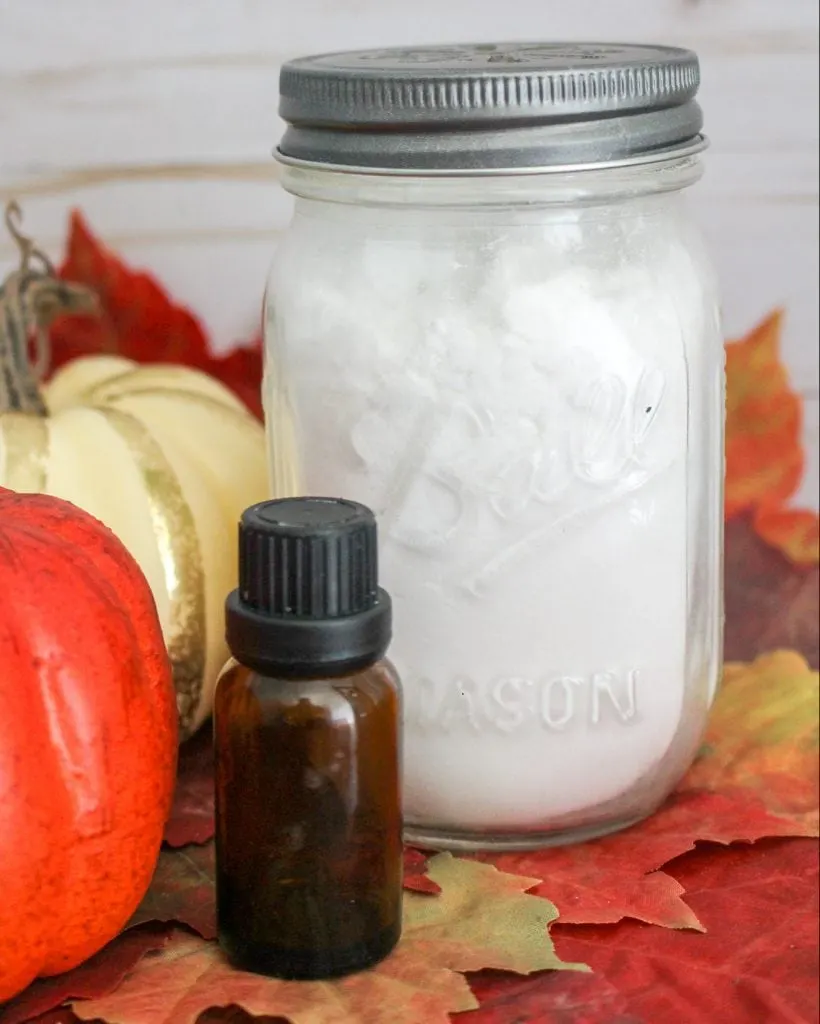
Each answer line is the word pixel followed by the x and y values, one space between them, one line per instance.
pixel 757 961
pixel 139 320
pixel 771 603
pixel 192 814
pixel 96 977
pixel 415 872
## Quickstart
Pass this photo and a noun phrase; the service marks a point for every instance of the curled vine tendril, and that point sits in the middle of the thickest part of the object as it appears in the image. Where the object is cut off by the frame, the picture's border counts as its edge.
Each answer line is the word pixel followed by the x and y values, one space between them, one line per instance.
pixel 28 250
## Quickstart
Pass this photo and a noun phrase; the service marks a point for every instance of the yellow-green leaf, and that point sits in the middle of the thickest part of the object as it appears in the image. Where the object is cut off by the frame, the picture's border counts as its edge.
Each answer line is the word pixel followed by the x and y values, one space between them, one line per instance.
pixel 764 737
pixel 483 918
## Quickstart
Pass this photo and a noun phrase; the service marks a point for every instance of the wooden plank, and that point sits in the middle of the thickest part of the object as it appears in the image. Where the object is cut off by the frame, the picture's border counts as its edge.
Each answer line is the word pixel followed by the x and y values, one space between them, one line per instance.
pixel 767 256
pixel 225 113
pixel 211 197
pixel 777 174
pixel 91 33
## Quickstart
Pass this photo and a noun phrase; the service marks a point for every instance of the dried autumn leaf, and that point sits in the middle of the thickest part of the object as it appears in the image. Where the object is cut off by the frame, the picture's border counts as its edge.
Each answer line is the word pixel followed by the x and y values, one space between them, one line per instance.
pixel 481 919
pixel 758 959
pixel 182 890
pixel 192 814
pixel 140 321
pixel 756 777
pixel 764 459
pixel 416 877
pixel 763 737
pixel 608 879
pixel 191 976
pixel 795 532
pixel 545 998
pixel 61 1016
pixel 756 962
pixel 235 1015
pixel 764 453
pixel 770 602
pixel 241 370
pixel 96 977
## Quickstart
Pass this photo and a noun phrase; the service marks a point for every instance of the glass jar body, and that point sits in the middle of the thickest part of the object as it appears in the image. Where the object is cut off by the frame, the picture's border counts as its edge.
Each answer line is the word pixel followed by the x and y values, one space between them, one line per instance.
pixel 523 377
pixel 308 820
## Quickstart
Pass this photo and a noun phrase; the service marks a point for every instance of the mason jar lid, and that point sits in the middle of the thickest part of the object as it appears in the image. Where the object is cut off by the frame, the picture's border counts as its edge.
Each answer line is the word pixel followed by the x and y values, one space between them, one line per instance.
pixel 490 108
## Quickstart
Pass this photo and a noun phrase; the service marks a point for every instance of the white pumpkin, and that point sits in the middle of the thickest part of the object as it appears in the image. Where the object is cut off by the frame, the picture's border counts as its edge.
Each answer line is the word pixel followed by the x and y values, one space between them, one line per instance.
pixel 168 458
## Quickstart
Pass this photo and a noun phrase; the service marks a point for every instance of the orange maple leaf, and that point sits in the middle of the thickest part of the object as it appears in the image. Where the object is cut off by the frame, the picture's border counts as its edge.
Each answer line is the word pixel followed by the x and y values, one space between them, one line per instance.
pixel 764 453
pixel 764 739
pixel 483 918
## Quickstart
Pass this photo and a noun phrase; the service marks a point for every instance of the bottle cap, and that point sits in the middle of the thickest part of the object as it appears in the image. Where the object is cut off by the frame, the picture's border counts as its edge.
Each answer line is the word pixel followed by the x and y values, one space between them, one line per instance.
pixel 308 600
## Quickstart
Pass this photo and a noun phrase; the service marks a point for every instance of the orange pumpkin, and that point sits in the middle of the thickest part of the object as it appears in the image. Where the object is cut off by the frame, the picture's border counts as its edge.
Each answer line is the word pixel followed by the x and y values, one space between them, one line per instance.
pixel 88 737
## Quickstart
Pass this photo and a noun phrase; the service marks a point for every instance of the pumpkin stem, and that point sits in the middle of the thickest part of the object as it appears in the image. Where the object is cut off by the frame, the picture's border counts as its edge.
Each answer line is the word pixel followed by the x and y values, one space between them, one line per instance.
pixel 31 297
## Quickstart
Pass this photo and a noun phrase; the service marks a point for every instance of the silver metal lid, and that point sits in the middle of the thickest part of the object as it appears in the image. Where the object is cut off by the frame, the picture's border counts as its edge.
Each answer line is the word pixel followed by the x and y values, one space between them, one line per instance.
pixel 490 107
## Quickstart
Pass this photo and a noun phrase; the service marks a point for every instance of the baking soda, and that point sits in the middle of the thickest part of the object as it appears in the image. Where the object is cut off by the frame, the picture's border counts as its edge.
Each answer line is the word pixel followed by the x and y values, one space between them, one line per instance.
pixel 510 395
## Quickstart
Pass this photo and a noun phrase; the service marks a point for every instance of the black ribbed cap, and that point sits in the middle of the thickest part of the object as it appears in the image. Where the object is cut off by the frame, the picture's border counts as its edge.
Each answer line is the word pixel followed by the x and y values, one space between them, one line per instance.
pixel 308 598
pixel 308 556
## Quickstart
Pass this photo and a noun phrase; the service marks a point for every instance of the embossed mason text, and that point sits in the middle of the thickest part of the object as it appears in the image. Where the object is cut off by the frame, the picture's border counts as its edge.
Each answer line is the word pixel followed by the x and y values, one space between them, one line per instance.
pixel 555 703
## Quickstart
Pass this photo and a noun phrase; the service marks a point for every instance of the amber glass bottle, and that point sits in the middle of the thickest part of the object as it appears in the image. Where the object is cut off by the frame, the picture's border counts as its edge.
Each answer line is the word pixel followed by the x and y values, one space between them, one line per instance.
pixel 306 726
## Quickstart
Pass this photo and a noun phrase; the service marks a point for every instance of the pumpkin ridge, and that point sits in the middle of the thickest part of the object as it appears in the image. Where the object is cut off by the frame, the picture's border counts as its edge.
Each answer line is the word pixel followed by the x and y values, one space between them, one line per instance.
pixel 47 516
pixel 238 419
pixel 217 393
pixel 81 781
pixel 46 895
pixel 87 394
pixel 180 555
pixel 95 579
pixel 178 395
pixel 90 393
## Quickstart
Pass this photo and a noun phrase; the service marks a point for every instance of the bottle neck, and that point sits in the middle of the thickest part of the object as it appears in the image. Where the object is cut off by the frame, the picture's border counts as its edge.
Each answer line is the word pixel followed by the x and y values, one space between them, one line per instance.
pixel 342 670
pixel 589 186
pixel 294 647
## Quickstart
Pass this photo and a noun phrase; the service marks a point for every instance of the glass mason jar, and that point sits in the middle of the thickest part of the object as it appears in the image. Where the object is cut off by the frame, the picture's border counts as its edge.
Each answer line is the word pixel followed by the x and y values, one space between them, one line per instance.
pixel 493 322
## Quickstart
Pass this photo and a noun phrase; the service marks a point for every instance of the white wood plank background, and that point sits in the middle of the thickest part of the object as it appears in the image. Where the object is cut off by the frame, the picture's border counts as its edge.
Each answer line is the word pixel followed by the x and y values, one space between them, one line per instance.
pixel 158 117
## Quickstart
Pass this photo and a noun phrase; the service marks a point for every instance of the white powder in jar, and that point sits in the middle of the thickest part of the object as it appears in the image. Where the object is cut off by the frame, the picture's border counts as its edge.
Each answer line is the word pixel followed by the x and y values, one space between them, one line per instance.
pixel 511 399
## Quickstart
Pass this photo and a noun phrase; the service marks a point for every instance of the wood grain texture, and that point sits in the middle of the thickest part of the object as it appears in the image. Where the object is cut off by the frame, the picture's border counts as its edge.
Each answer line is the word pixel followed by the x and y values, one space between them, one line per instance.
pixel 158 119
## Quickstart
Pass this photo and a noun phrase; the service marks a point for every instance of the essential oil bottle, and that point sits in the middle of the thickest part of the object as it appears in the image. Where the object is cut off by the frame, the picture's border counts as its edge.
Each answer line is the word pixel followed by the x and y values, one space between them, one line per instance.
pixel 307 748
